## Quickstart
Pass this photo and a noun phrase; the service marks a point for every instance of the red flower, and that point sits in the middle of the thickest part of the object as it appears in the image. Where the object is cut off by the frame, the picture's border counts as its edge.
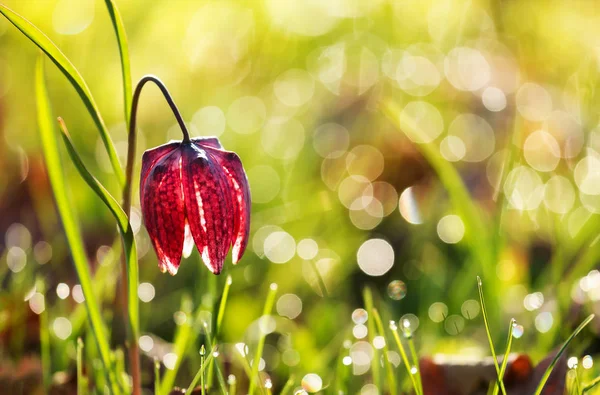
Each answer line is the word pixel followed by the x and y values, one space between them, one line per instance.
pixel 195 192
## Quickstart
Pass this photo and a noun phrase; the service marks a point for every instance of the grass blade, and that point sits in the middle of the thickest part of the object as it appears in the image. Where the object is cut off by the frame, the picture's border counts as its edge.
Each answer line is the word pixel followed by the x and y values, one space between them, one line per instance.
pixel 156 376
pixel 220 315
pixel 129 248
pixel 550 367
pixel 513 322
pixel 181 342
pixel 368 300
pixel 489 334
pixel 413 379
pixel 45 340
pixel 81 381
pixel 589 386
pixel 70 225
pixel 220 377
pixel 124 227
pixel 388 365
pixel 415 358
pixel 67 68
pixel 200 373
pixel 289 385
pixel 117 22
pixel 261 339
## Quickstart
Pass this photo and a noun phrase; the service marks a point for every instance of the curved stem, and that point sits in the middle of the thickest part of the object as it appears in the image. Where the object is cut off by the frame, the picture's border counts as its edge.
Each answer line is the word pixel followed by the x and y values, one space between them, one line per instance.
pixel 132 135
pixel 134 357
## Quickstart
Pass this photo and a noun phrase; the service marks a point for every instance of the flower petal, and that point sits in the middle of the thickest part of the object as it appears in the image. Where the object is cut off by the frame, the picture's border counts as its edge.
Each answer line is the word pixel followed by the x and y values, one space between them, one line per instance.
pixel 208 207
pixel 239 190
pixel 151 157
pixel 204 142
pixel 163 208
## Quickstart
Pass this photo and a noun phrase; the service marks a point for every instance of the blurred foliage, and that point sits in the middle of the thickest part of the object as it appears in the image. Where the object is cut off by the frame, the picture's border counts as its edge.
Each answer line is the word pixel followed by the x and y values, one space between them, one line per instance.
pixel 315 97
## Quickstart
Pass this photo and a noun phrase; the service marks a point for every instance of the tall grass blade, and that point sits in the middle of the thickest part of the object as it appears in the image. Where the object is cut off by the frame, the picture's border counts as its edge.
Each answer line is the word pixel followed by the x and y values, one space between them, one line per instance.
pixel 200 373
pixel 413 379
pixel 45 340
pixel 156 376
pixel 489 334
pixel 67 68
pixel 550 367
pixel 368 300
pixel 220 377
pixel 124 227
pixel 388 365
pixel 289 385
pixel 261 339
pixel 71 227
pixel 220 315
pixel 117 23
pixel 415 359
pixel 180 345
pixel 589 386
pixel 512 324
pixel 81 381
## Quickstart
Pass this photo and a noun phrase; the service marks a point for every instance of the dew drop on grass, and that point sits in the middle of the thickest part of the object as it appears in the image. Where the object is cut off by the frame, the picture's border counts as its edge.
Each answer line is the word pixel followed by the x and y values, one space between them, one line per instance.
pixel 268 384
pixel 517 330
pixel 414 370
pixel 231 379
pixel 572 362
pixel 396 290
pixel 393 325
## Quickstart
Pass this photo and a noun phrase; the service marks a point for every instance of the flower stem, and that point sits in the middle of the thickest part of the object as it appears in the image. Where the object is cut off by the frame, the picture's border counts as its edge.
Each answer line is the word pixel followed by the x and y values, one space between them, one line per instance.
pixel 129 291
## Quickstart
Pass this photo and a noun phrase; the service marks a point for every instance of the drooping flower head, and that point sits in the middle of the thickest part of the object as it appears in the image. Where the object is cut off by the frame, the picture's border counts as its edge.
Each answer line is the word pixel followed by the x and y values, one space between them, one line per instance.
pixel 193 191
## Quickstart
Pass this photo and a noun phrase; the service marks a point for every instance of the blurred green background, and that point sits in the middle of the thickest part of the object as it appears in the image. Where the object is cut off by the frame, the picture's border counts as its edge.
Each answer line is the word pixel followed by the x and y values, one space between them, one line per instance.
pixel 505 92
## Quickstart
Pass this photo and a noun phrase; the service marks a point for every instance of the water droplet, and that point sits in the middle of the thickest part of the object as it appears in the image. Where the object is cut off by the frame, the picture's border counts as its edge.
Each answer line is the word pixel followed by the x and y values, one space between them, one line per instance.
pixel 572 362
pixel 414 370
pixel 393 325
pixel 268 384
pixel 347 360
pixel 517 330
pixel 396 290
pixel 231 379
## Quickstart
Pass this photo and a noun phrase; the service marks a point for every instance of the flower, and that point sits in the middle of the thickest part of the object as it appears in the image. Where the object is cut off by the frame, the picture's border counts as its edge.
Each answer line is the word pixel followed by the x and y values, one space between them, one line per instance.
pixel 193 191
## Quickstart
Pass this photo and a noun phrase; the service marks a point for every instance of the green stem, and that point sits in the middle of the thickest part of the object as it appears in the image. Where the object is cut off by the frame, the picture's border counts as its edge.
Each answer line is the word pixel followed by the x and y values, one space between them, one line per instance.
pixel 261 338
pixel 131 265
